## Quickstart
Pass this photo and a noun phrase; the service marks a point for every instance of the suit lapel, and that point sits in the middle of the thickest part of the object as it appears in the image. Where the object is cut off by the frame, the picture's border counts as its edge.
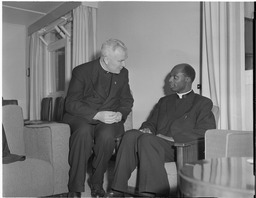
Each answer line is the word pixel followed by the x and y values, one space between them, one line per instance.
pixel 112 89
pixel 96 82
pixel 113 84
pixel 169 111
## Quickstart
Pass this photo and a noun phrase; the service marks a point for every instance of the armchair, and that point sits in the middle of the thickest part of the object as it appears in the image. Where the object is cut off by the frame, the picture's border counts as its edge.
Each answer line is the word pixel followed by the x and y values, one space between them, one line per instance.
pixel 185 152
pixel 44 172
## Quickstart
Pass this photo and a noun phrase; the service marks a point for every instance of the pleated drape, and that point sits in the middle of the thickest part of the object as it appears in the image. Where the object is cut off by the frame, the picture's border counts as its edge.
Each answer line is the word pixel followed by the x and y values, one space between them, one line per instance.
pixel 223 61
pixel 84 35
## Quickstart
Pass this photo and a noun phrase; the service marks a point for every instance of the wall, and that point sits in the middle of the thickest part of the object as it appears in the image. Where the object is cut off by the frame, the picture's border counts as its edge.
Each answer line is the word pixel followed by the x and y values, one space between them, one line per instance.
pixel 158 36
pixel 14 64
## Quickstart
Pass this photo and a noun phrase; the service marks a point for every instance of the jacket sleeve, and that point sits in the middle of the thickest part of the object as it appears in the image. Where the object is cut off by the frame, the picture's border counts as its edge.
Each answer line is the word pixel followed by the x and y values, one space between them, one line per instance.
pixel 75 103
pixel 193 127
pixel 151 122
pixel 126 99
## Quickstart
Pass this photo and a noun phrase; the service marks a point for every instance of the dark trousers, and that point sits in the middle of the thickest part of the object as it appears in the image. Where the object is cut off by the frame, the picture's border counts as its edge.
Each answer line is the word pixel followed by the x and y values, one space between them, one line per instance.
pixel 85 138
pixel 149 153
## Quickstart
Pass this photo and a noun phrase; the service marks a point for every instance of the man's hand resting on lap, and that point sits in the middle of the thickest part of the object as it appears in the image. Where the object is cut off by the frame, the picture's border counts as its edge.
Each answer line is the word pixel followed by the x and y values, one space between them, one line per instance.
pixel 108 117
pixel 145 130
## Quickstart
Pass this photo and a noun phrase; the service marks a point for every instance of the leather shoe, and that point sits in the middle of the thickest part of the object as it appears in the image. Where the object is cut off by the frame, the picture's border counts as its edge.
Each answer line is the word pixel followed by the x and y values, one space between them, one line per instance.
pixel 114 193
pixel 74 194
pixel 151 195
pixel 97 191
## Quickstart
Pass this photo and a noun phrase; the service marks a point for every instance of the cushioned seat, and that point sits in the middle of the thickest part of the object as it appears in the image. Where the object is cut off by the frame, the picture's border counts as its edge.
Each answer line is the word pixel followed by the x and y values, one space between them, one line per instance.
pixel 33 173
pixel 45 169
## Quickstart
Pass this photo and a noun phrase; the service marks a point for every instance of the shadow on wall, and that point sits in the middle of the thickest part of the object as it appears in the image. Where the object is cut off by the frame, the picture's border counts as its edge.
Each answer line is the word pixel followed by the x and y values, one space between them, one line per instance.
pixel 166 89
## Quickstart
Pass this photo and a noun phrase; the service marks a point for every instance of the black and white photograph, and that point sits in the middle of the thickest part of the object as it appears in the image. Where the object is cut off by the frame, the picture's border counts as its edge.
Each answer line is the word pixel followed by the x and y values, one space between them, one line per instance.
pixel 128 99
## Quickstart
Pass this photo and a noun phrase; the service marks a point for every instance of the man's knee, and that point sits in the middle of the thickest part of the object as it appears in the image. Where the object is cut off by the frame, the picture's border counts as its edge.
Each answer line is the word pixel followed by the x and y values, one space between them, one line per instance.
pixel 108 131
pixel 82 131
pixel 131 134
pixel 130 137
pixel 146 139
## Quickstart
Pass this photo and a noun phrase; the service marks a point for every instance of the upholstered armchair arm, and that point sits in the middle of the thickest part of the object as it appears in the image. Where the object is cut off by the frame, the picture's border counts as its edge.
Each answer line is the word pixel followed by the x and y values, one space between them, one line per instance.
pixel 188 152
pixel 50 142
pixel 46 141
pixel 38 142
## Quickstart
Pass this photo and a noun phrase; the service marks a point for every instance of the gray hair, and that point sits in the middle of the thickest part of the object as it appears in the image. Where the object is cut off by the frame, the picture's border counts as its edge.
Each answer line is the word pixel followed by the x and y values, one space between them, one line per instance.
pixel 112 44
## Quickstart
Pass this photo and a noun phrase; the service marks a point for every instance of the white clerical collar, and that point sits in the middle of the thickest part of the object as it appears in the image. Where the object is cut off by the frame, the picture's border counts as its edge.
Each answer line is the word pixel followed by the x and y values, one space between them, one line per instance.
pixel 181 94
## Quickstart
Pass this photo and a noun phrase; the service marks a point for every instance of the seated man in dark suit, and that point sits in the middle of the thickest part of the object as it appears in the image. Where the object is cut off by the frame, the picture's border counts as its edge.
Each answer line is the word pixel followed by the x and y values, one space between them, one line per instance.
pixel 180 117
pixel 97 104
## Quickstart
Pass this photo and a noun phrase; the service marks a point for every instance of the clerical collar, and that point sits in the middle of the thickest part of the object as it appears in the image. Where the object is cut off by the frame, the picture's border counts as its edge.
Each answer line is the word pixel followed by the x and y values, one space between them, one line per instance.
pixel 103 66
pixel 182 94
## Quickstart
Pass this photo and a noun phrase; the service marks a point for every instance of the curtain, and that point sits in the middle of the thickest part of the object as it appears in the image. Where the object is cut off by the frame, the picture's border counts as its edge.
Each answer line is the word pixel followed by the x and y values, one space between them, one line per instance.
pixel 42 76
pixel 84 35
pixel 223 61
pixel 38 75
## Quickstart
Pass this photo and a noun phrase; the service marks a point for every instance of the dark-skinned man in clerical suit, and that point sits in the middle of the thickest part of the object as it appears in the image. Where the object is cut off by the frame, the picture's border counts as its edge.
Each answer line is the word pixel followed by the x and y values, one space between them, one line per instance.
pixel 179 117
pixel 97 103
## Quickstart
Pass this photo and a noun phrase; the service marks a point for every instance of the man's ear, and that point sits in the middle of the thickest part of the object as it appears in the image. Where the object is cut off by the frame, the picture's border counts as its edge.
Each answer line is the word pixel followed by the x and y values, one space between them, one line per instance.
pixel 105 60
pixel 188 79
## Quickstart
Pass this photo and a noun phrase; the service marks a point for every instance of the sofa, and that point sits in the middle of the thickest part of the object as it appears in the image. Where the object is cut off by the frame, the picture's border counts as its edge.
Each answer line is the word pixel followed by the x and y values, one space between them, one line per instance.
pixel 43 167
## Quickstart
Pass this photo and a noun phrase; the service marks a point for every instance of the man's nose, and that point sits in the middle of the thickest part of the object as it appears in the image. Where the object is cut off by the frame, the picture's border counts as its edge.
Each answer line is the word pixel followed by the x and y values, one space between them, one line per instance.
pixel 123 64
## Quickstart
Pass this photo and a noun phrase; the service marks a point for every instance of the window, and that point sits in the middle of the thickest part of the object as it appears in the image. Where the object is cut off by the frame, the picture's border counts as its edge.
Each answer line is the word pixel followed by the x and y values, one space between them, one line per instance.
pixel 58 57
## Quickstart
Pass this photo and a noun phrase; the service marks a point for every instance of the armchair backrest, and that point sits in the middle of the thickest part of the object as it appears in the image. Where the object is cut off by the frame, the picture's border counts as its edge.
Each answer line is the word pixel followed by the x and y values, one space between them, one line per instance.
pixel 9 102
pixel 46 109
pixel 228 143
pixel 58 109
pixel 12 118
pixel 240 144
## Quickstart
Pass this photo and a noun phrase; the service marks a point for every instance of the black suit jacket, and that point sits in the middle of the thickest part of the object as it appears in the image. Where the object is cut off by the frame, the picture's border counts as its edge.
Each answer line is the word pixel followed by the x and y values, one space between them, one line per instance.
pixel 183 119
pixel 86 95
